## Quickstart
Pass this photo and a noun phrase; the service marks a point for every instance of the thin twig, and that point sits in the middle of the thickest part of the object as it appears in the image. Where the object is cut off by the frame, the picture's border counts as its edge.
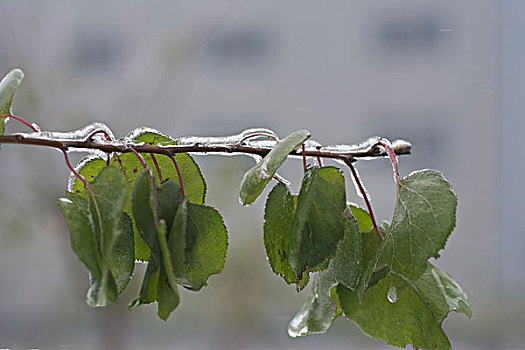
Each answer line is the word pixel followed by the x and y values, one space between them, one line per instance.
pixel 178 174
pixel 393 159
pixel 106 135
pixel 156 166
pixel 304 156
pixel 260 134
pixel 365 196
pixel 21 120
pixel 141 160
pixel 77 175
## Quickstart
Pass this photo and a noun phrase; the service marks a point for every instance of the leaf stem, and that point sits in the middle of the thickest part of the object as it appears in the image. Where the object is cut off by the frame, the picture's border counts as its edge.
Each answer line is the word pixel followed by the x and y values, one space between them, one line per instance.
pixel 365 196
pixel 393 159
pixel 304 156
pixel 23 121
pixel 106 135
pixel 77 175
pixel 178 174
pixel 260 134
pixel 141 160
pixel 156 166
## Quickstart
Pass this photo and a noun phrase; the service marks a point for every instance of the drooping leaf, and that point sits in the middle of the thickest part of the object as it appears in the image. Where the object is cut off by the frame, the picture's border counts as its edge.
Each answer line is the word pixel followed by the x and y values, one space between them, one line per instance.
pixel 123 254
pixel 415 318
pixel 206 245
pixel 302 232
pixel 86 242
pixel 155 208
pixel 109 193
pixel 256 179
pixel 144 207
pixel 424 217
pixel 278 219
pixel 83 239
pixel 8 87
pixel 167 296
pixel 319 221
pixel 177 242
pixel 318 312
pixel 192 179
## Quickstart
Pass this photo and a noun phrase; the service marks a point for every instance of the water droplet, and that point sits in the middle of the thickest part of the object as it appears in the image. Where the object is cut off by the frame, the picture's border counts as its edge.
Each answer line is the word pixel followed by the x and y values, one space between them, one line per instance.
pixel 392 294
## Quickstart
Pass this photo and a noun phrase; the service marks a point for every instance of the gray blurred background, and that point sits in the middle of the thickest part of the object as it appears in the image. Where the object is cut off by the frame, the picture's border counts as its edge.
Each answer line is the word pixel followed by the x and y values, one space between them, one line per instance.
pixel 445 75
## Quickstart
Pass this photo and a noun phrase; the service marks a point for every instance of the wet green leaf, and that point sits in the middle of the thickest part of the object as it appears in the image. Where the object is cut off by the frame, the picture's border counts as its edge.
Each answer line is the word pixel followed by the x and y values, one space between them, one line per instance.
pixel 108 195
pixel 256 179
pixel 301 232
pixel 167 296
pixel 192 179
pixel 177 242
pixel 424 217
pixel 278 219
pixel 206 245
pixel 148 289
pixel 417 315
pixel 123 254
pixel 8 87
pixel 319 310
pixel 101 235
pixel 362 217
pixel 83 239
pixel 319 221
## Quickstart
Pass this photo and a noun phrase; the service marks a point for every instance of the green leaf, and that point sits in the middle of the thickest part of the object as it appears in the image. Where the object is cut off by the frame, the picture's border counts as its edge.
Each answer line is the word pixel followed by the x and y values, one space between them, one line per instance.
pixel 415 318
pixel 177 242
pixel 192 179
pixel 148 290
pixel 364 221
pixel 319 310
pixel 424 217
pixel 167 296
pixel 109 193
pixel 256 179
pixel 278 219
pixel 100 234
pixel 301 232
pixel 8 87
pixel 123 254
pixel 83 239
pixel 206 245
pixel 144 206
pixel 319 221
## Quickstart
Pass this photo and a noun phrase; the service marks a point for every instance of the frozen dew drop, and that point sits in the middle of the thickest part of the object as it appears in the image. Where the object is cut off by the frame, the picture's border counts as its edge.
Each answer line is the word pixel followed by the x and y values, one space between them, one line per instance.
pixel 392 294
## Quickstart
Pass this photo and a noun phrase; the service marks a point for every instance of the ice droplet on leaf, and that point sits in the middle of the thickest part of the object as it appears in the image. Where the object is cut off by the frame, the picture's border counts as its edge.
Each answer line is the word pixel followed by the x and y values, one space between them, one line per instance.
pixel 392 294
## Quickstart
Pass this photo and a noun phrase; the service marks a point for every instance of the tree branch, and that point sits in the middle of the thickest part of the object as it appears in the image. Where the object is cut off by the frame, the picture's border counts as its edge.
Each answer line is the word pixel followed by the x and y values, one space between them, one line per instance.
pixel 116 146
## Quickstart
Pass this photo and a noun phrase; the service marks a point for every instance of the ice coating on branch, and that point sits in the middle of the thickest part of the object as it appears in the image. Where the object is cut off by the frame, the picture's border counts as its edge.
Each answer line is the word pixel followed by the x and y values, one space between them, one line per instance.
pixel 364 146
pixel 401 146
pixel 229 140
pixel 81 134
pixel 35 125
